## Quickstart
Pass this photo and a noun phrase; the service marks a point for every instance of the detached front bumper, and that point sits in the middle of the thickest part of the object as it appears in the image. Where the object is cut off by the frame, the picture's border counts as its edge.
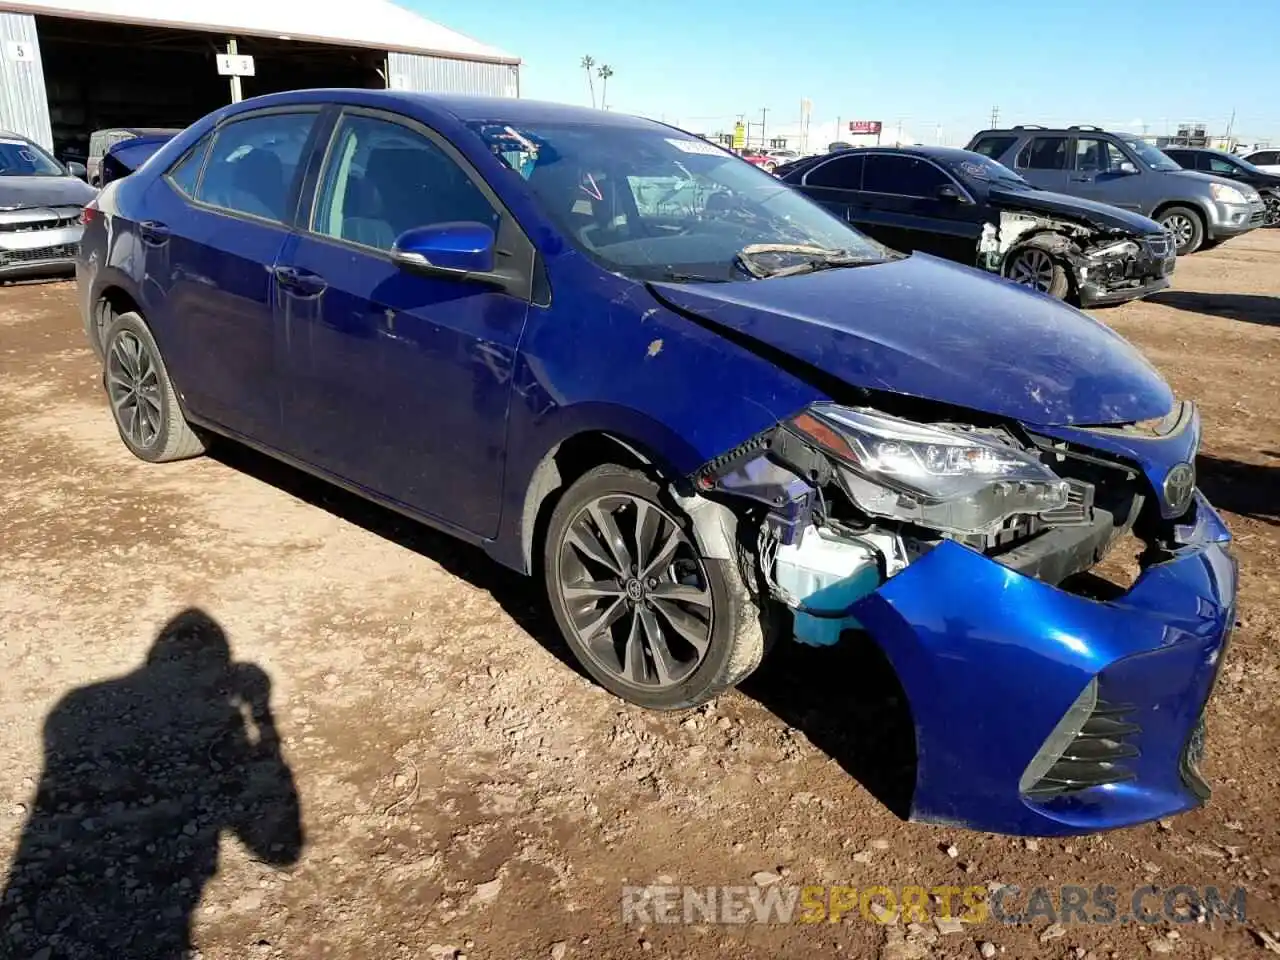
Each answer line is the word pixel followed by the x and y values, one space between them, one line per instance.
pixel 1102 295
pixel 992 660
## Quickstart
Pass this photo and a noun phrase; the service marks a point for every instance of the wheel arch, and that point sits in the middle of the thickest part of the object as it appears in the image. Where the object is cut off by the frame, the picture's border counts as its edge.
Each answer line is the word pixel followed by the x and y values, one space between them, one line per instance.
pixel 1192 204
pixel 565 462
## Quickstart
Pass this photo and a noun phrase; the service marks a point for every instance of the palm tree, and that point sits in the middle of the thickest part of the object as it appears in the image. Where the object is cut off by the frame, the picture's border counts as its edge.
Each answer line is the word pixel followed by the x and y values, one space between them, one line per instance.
pixel 606 72
pixel 587 63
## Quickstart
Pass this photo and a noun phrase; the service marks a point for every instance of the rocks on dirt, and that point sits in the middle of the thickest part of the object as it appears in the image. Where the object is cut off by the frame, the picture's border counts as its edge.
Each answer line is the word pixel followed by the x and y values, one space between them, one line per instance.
pixel 987 949
pixel 486 892
pixel 558 950
pixel 1052 932
pixel 765 878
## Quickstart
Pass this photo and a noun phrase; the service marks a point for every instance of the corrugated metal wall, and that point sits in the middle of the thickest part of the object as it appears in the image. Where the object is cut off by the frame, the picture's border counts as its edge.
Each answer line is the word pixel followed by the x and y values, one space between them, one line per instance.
pixel 412 71
pixel 24 108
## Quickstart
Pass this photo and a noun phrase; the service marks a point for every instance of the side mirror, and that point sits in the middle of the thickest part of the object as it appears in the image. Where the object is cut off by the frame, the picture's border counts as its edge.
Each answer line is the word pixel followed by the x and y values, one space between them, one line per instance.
pixel 463 251
pixel 1127 167
pixel 948 192
pixel 77 169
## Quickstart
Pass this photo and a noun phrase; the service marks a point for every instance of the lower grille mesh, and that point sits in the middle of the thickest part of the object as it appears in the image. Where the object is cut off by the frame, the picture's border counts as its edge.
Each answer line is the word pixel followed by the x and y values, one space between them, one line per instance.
pixel 1094 757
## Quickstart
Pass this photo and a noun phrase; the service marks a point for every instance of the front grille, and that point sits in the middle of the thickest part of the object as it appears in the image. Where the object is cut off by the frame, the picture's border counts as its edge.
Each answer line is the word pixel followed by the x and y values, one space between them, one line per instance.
pixel 56 219
pixel 1159 245
pixel 1077 511
pixel 62 251
pixel 1093 758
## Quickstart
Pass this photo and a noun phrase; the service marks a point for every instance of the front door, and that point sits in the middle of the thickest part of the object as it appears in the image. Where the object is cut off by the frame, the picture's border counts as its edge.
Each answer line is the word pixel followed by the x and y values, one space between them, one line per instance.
pixel 903 194
pixel 394 381
pixel 1100 171
pixel 211 242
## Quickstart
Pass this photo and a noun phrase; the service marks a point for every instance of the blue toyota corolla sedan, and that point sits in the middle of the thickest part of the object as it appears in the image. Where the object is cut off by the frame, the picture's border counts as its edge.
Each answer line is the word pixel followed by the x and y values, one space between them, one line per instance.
pixel 698 408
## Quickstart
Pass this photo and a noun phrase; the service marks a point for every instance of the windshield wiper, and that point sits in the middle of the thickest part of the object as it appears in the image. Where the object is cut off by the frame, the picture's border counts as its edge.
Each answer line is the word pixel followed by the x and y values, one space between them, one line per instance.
pixel 817 258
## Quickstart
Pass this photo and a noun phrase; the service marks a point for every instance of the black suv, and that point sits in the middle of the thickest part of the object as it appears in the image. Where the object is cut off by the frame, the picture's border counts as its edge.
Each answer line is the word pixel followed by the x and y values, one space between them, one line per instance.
pixel 1222 164
pixel 1123 170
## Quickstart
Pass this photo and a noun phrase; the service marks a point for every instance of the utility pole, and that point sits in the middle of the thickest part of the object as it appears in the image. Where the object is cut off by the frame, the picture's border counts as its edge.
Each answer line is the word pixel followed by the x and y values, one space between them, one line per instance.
pixel 995 117
pixel 236 96
pixel 764 116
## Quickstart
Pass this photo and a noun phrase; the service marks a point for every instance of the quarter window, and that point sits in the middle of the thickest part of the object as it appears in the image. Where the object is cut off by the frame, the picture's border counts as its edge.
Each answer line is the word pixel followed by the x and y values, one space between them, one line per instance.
pixel 902 176
pixel 842 173
pixel 382 179
pixel 253 162
pixel 186 171
pixel 1043 153
pixel 993 147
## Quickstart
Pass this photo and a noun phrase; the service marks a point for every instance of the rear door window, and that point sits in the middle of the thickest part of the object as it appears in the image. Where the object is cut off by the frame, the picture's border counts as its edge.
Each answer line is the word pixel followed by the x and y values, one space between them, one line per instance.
pixel 1266 156
pixel 1043 153
pixel 994 147
pixel 902 176
pixel 253 162
pixel 841 173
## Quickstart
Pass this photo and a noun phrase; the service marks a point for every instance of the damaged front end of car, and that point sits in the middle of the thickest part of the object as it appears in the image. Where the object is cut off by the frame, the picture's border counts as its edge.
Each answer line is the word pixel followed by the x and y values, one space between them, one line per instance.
pixel 1105 265
pixel 952 539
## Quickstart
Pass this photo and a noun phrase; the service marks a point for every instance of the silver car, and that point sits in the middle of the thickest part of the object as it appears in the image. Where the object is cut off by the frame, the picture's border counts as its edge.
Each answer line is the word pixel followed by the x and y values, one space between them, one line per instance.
pixel 40 205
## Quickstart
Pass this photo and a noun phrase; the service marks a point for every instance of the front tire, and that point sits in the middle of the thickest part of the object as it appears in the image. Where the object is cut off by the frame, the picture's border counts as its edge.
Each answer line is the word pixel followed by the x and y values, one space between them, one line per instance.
pixel 1186 227
pixel 648 616
pixel 143 402
pixel 1034 267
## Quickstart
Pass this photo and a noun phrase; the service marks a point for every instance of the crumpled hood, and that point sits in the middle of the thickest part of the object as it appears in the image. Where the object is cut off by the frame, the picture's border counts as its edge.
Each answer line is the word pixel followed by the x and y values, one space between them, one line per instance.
pixel 1101 215
pixel 43 192
pixel 929 328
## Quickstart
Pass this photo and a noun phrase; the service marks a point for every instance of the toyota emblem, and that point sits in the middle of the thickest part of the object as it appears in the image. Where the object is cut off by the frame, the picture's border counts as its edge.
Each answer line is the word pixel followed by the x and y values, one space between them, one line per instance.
pixel 1179 484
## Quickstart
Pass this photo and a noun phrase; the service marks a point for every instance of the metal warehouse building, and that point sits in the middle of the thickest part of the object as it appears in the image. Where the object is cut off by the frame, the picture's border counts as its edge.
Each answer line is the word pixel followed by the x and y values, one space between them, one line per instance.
pixel 68 67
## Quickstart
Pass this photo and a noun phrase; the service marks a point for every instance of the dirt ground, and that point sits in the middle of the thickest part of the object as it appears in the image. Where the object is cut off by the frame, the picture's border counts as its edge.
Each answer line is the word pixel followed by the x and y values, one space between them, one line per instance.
pixel 444 783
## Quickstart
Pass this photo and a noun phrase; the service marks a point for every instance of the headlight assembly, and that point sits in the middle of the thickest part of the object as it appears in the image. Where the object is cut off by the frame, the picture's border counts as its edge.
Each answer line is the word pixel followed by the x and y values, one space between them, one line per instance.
pixel 1226 193
pixel 951 481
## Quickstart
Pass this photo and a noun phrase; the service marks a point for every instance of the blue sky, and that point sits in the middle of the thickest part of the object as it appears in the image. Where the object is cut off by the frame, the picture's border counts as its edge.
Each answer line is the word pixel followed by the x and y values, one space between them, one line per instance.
pixel 938 68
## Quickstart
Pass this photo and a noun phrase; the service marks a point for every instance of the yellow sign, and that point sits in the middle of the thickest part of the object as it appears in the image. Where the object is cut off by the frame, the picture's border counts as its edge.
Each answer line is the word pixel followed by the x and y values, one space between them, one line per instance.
pixel 739 136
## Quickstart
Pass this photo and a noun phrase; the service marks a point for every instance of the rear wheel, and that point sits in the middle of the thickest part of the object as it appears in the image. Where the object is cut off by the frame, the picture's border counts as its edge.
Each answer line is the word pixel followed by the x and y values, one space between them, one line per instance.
pixel 647 615
pixel 142 397
pixel 1038 269
pixel 1184 223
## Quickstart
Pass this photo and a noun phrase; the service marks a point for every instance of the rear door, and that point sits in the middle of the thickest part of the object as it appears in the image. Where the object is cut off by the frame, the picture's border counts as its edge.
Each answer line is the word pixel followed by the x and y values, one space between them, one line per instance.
pixel 902 208
pixel 1098 172
pixel 216 223
pixel 836 183
pixel 395 381
pixel 1042 160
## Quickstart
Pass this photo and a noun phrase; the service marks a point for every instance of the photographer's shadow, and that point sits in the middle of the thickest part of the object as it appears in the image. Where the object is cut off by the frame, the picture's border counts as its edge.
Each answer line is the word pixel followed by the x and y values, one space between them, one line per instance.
pixel 142 774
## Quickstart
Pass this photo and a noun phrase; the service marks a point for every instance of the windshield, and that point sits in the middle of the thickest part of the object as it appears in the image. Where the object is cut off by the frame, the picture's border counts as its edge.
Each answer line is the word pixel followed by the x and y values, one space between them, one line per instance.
pixel 656 204
pixel 1245 164
pixel 1149 155
pixel 22 158
pixel 975 166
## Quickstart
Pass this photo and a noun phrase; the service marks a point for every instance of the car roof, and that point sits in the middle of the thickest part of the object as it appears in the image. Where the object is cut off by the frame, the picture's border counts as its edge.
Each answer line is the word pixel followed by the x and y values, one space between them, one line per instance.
pixel 14 136
pixel 920 150
pixel 1064 131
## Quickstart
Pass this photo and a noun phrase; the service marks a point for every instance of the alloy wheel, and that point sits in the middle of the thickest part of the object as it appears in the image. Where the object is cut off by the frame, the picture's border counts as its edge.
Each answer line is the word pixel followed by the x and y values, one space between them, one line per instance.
pixel 133 387
pixel 1181 227
pixel 1032 268
pixel 636 591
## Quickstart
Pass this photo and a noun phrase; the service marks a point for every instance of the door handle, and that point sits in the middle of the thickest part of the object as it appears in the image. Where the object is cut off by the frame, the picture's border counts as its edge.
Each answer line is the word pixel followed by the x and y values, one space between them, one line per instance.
pixel 302 282
pixel 1083 179
pixel 153 232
